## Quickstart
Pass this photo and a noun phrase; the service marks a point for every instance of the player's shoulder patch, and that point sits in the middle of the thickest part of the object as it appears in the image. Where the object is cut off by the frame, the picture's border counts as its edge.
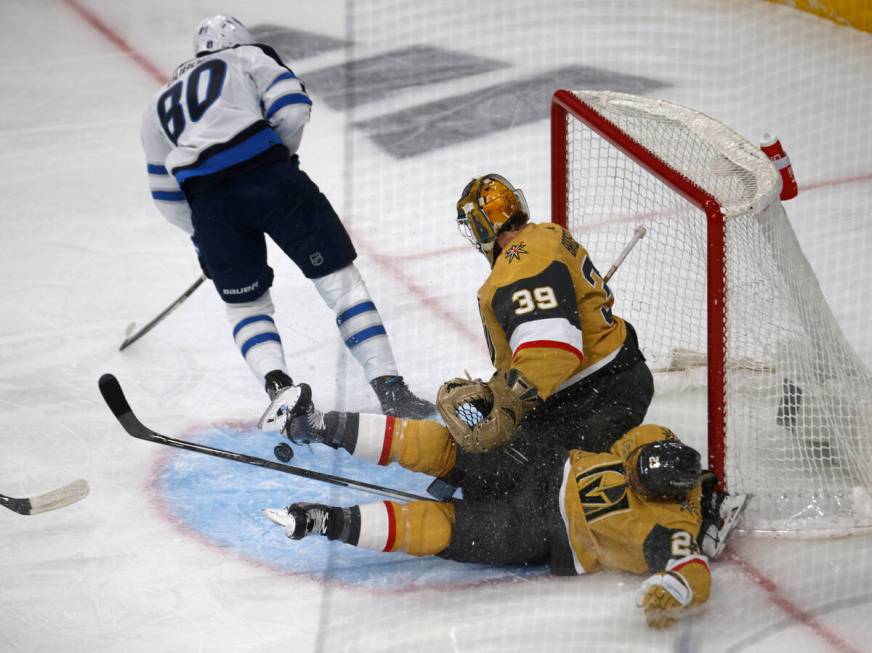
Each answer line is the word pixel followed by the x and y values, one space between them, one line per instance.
pixel 569 243
pixel 515 251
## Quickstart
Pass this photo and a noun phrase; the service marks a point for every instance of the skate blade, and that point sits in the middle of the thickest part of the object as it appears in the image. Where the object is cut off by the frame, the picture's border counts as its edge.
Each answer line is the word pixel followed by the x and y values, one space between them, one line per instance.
pixel 279 516
pixel 271 420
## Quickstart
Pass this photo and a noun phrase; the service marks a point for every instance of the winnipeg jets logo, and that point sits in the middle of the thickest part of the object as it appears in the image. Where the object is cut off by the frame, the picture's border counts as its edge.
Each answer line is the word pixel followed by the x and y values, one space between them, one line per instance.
pixel 513 252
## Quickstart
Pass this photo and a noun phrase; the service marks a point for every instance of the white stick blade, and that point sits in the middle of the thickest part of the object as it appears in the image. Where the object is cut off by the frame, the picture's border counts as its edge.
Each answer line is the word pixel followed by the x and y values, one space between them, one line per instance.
pixel 60 498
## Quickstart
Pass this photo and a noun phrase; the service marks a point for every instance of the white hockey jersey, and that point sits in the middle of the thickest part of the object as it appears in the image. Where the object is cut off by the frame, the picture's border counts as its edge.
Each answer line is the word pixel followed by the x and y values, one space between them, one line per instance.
pixel 219 111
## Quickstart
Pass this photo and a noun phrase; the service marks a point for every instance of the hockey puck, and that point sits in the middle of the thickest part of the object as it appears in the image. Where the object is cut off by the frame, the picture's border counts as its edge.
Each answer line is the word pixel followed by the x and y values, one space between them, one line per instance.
pixel 283 452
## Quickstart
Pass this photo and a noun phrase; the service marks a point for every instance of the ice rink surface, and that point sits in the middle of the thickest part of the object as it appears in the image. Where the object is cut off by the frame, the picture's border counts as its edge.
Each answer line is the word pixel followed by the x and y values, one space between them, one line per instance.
pixel 169 552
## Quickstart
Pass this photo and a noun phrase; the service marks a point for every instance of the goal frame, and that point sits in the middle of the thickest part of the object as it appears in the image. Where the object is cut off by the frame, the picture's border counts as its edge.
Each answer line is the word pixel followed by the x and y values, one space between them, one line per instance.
pixel 565 104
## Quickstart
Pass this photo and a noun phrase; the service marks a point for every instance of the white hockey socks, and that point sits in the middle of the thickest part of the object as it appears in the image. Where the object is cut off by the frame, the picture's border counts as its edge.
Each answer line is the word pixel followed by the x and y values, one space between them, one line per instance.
pixel 358 320
pixel 255 333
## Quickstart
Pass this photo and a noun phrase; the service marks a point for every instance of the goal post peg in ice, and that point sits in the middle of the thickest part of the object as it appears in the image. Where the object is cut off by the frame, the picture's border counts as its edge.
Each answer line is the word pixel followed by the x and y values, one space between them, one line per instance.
pixel 771 146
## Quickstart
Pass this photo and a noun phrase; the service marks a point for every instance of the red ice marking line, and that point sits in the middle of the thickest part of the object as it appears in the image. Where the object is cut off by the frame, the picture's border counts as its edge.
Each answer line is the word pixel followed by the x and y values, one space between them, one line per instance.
pixel 94 21
pixel 827 183
pixel 793 611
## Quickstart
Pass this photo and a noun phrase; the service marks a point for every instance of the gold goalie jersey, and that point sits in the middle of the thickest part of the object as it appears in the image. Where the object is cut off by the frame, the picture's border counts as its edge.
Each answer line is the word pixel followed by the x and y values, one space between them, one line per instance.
pixel 613 528
pixel 547 312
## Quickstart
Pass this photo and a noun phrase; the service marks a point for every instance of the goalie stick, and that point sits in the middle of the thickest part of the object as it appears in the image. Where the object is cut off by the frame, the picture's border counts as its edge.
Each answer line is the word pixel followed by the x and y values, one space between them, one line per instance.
pixel 112 393
pixel 130 339
pixel 60 498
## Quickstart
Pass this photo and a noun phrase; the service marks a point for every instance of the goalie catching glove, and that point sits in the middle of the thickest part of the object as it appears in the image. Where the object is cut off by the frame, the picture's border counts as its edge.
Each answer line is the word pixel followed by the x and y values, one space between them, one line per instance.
pixel 483 416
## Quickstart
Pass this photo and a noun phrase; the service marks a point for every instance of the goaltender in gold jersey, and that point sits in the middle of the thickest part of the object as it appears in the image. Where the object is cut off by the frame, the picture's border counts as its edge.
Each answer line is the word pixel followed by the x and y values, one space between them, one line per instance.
pixel 547 312
pixel 569 373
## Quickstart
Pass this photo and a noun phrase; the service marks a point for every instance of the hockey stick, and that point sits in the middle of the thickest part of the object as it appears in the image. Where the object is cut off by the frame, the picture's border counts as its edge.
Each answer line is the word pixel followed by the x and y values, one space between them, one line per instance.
pixel 60 498
pixel 638 235
pixel 117 402
pixel 130 339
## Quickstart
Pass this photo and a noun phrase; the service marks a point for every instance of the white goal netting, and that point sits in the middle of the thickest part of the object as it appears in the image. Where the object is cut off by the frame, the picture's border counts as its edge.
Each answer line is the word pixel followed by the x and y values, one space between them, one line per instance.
pixel 798 401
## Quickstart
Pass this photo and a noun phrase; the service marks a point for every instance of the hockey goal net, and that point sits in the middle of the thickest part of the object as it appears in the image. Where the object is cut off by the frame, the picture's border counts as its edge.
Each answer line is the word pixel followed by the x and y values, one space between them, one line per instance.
pixel 728 310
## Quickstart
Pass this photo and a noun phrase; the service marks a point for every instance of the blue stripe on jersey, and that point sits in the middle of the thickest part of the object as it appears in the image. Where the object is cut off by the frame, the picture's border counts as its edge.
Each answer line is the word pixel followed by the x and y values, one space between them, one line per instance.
pixel 346 315
pixel 247 149
pixel 168 195
pixel 365 334
pixel 285 100
pixel 258 339
pixel 251 320
pixel 285 75
pixel 156 169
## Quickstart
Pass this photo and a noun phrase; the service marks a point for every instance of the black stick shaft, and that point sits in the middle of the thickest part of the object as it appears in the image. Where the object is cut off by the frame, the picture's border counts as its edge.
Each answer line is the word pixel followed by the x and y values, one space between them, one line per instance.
pixel 117 402
pixel 21 506
pixel 169 309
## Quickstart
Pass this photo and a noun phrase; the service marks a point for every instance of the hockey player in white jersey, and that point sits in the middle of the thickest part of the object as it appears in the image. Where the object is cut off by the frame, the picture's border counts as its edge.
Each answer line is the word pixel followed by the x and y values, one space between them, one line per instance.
pixel 220 142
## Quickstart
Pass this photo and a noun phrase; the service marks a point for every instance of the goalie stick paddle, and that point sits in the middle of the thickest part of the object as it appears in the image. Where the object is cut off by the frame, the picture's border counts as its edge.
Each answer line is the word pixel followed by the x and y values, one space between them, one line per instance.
pixel 112 393
pixel 60 498
pixel 130 339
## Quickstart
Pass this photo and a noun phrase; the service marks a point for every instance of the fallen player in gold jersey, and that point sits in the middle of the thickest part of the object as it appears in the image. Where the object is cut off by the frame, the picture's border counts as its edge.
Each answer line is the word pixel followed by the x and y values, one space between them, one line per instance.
pixel 643 507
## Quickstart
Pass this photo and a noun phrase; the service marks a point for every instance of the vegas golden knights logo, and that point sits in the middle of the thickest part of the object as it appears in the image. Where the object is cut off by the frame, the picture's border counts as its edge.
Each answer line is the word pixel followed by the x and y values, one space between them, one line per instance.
pixel 602 491
pixel 513 252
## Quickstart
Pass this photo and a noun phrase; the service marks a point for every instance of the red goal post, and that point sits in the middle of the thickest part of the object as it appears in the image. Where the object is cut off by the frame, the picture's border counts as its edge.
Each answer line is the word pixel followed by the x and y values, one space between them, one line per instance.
pixel 565 103
pixel 721 293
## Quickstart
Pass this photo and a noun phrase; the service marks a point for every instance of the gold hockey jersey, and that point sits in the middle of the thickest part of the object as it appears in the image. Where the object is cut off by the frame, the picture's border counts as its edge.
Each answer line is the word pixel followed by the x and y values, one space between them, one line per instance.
pixel 547 312
pixel 611 527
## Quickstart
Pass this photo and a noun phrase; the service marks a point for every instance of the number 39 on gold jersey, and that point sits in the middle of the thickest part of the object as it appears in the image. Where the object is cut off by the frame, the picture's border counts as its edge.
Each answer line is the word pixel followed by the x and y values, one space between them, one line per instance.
pixel 527 301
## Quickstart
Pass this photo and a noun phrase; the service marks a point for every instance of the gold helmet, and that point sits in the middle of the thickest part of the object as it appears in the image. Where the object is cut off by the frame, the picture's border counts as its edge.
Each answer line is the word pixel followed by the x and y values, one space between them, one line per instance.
pixel 488 206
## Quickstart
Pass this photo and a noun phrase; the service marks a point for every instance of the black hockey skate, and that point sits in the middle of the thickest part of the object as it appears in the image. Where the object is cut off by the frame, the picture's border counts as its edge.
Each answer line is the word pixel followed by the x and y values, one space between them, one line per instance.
pixel 287 403
pixel 276 381
pixel 398 401
pixel 301 519
pixel 721 513
pixel 293 414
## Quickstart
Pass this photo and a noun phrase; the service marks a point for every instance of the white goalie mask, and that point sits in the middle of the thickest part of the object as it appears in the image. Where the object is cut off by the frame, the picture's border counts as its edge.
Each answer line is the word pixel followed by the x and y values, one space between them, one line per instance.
pixel 219 32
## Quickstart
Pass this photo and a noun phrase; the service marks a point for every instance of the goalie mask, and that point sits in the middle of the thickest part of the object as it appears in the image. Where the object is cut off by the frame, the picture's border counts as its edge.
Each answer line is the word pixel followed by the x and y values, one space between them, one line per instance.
pixel 219 32
pixel 666 469
pixel 488 206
